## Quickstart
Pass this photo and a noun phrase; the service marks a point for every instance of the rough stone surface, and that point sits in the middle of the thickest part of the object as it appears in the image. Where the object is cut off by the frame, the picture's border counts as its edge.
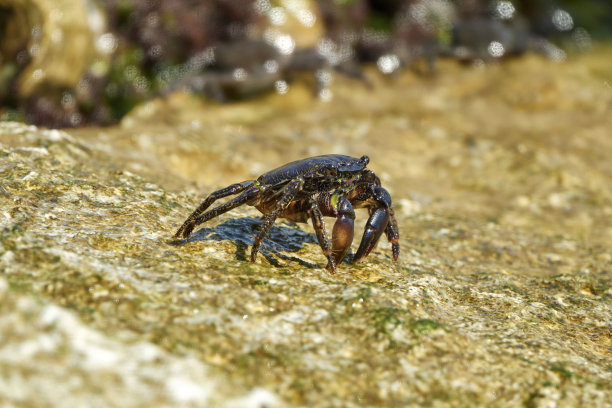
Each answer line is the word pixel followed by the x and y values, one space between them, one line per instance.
pixel 500 177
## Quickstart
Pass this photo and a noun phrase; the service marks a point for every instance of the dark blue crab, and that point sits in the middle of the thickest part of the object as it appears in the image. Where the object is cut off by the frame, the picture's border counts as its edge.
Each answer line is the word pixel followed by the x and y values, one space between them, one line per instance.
pixel 330 185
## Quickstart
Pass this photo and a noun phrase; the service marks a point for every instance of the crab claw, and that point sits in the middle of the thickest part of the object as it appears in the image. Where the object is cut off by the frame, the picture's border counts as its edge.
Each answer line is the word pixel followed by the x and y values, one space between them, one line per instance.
pixel 380 216
pixel 374 228
pixel 344 229
pixel 342 237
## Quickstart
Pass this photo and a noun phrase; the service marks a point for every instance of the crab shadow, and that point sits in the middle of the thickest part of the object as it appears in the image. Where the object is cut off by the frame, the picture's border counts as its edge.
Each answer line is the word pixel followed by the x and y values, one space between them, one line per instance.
pixel 281 241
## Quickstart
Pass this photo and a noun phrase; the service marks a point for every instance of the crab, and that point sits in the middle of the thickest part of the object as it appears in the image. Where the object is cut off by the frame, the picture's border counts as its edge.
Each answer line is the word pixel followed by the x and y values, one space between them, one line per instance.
pixel 329 185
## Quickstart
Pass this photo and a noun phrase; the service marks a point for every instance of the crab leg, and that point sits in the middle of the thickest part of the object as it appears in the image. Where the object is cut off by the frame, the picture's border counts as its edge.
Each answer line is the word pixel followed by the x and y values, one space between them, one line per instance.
pixel 392 232
pixel 380 214
pixel 197 218
pixel 319 227
pixel 288 192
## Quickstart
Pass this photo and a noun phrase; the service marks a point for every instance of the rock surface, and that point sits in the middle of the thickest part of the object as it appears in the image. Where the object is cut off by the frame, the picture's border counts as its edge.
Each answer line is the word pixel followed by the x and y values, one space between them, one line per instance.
pixel 500 177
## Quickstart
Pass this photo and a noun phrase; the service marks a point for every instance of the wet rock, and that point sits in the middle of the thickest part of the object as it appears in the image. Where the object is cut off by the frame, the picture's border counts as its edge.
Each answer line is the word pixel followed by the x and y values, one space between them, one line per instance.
pixel 46 341
pixel 501 294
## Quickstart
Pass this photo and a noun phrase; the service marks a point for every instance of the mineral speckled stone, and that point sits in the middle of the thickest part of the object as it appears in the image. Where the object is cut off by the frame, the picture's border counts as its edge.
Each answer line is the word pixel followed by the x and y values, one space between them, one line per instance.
pixel 501 183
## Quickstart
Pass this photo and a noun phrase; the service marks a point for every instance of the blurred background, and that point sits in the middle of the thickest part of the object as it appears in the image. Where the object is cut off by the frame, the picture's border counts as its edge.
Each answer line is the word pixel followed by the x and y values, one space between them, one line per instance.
pixel 487 121
pixel 72 63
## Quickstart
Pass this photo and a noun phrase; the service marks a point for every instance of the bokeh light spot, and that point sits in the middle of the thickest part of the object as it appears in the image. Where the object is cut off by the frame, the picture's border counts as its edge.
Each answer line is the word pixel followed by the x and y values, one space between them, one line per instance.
pixel 281 87
pixel 562 20
pixel 505 10
pixel 240 74
pixel 496 49
pixel 388 63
